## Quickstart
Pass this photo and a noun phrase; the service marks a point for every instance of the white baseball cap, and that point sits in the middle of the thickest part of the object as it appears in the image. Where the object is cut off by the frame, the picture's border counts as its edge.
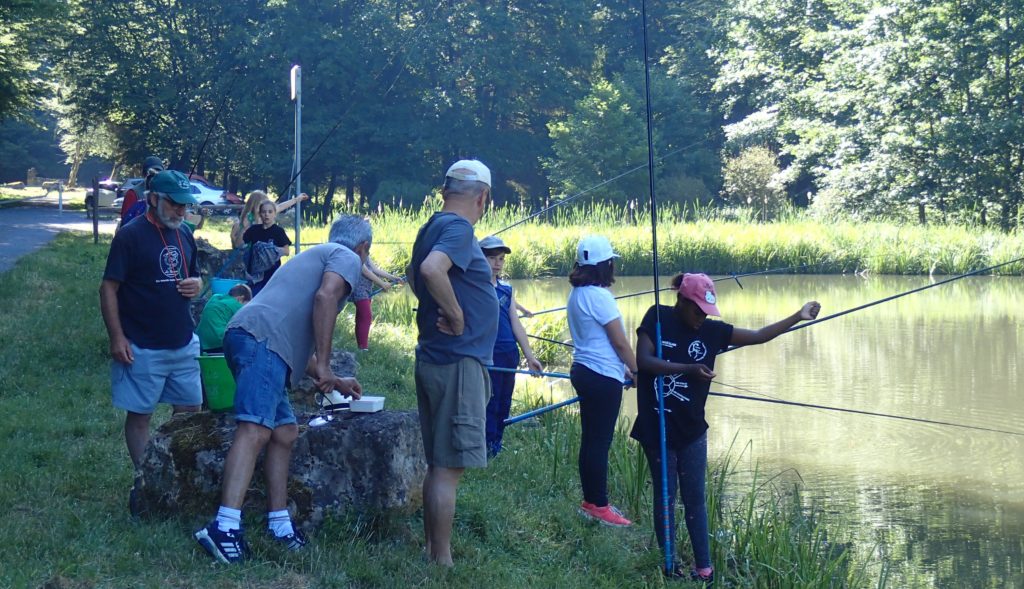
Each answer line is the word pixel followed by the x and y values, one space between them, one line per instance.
pixel 470 170
pixel 593 250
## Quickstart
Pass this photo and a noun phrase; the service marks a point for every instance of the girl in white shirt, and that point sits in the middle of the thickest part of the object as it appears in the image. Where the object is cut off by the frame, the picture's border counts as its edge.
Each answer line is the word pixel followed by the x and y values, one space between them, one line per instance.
pixel 602 362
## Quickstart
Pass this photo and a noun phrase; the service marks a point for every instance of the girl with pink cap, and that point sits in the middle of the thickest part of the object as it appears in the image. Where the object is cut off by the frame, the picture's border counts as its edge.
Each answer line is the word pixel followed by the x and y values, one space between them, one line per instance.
pixel 689 345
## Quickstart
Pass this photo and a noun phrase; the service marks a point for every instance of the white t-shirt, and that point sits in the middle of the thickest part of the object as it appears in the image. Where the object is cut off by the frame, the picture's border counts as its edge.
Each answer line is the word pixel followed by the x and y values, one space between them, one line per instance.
pixel 590 308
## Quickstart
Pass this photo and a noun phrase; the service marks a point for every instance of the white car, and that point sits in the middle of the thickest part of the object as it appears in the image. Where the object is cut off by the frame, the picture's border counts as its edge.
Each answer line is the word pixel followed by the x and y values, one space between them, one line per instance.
pixel 209 197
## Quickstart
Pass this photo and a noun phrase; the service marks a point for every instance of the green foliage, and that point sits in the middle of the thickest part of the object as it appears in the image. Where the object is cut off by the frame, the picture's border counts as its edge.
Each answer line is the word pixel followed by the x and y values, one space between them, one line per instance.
pixel 906 111
pixel 750 181
pixel 601 136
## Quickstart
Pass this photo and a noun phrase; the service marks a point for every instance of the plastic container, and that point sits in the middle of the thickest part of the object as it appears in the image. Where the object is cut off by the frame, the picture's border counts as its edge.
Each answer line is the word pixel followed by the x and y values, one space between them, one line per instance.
pixel 218 383
pixel 223 285
pixel 367 405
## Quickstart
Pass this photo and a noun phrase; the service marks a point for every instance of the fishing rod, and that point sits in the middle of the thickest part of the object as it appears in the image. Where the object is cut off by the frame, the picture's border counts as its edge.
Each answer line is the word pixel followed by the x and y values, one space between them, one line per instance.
pixel 731 276
pixel 867 305
pixel 213 123
pixel 892 298
pixel 599 185
pixel 404 53
pixel 775 400
pixel 860 412
pixel 666 509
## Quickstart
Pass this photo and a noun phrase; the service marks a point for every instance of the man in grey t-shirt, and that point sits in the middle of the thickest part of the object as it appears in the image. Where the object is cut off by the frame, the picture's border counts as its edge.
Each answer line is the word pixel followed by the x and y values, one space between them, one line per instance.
pixel 457 318
pixel 285 330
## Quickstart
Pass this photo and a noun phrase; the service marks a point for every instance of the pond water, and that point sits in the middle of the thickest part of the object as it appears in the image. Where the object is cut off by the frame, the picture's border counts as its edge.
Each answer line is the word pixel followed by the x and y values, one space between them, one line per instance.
pixel 943 505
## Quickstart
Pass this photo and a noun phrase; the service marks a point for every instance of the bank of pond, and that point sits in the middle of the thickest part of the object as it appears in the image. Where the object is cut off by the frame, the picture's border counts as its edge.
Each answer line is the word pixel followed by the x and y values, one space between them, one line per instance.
pixel 546 247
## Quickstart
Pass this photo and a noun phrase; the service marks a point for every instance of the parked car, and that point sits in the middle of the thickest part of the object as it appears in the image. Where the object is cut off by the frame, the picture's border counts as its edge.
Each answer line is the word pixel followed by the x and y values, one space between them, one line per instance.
pixel 209 197
pixel 108 191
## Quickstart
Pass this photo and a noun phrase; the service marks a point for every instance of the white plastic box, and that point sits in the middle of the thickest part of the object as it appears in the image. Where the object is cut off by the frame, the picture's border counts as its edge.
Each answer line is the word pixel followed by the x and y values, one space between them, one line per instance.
pixel 367 405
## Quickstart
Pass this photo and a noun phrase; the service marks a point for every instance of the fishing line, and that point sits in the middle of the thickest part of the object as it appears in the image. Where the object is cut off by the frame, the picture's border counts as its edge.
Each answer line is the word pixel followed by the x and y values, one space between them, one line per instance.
pixel 891 298
pixel 554 341
pixel 213 123
pixel 599 185
pixel 859 412
pixel 731 276
pixel 819 320
pixel 767 399
pixel 403 53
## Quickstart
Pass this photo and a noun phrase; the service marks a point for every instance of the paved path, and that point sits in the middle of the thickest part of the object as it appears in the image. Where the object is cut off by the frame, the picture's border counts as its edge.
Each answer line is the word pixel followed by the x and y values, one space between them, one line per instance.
pixel 26 227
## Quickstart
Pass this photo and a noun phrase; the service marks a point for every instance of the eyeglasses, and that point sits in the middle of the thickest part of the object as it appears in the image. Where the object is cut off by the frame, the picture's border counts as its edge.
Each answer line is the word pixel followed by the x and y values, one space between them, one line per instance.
pixel 170 201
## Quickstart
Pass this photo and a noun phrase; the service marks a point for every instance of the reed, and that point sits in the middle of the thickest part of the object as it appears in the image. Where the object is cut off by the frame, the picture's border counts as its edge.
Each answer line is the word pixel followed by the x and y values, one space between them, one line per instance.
pixel 715 243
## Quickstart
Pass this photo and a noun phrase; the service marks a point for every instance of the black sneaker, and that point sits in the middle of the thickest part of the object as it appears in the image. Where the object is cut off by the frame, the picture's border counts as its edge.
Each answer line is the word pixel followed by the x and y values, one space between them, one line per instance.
pixel 226 547
pixel 293 542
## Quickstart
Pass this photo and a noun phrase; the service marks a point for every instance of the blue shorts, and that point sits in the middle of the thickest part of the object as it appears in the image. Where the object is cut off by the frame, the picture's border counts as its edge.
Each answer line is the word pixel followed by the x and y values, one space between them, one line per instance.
pixel 157 376
pixel 260 379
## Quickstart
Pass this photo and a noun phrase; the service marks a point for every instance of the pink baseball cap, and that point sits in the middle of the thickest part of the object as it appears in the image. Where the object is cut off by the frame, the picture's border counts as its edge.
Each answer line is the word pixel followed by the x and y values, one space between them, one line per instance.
pixel 701 290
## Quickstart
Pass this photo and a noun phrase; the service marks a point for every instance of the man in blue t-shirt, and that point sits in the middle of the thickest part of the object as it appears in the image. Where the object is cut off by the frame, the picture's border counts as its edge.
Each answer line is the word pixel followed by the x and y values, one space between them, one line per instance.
pixel 457 319
pixel 149 281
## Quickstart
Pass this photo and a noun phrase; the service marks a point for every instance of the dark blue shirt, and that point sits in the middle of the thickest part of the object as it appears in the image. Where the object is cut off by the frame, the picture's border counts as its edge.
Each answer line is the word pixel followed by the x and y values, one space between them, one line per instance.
pixel 470 276
pixel 154 315
pixel 506 340
pixel 684 398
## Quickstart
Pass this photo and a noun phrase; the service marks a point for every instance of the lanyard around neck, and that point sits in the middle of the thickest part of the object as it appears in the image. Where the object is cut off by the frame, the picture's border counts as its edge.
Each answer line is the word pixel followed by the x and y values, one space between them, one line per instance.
pixel 181 247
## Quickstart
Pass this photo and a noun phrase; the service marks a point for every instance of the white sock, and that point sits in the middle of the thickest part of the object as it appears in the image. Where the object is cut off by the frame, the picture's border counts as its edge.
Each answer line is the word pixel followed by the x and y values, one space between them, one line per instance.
pixel 229 519
pixel 280 523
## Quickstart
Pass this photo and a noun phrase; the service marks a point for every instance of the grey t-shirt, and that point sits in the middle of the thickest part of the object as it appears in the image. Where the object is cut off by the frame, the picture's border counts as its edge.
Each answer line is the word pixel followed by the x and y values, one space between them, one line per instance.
pixel 470 276
pixel 282 313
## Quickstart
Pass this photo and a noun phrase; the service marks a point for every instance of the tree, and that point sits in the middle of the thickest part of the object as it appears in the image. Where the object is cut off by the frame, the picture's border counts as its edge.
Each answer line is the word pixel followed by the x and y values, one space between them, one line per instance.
pixel 604 136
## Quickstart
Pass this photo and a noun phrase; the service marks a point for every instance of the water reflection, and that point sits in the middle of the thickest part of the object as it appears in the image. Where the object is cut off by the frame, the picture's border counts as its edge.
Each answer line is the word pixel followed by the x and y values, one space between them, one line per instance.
pixel 945 505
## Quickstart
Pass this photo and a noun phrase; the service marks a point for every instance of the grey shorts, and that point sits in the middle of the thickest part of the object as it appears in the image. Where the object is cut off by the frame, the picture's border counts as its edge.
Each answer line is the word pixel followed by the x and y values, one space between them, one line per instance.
pixel 452 401
pixel 157 376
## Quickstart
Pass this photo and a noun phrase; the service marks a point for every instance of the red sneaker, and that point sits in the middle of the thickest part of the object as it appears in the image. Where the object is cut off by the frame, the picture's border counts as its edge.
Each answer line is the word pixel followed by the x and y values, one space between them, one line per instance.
pixel 607 515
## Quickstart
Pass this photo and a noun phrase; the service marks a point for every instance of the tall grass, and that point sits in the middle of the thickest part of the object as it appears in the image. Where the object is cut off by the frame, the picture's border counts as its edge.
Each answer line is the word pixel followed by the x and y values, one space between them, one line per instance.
pixel 713 243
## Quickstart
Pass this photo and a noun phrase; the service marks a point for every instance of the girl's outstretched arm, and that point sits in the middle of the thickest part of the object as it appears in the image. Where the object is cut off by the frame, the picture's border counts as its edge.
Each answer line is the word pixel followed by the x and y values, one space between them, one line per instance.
pixel 748 337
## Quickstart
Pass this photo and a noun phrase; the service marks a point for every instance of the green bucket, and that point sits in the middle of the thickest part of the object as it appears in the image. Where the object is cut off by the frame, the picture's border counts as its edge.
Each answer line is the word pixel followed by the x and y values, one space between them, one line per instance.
pixel 218 383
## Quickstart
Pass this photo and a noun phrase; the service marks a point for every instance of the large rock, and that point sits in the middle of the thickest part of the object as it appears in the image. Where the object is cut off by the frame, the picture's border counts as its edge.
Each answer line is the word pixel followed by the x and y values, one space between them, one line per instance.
pixel 211 260
pixel 368 463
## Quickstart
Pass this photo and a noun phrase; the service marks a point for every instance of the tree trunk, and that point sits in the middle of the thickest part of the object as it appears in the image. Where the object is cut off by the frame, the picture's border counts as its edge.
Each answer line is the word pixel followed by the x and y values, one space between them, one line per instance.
pixel 76 162
pixel 350 190
pixel 329 198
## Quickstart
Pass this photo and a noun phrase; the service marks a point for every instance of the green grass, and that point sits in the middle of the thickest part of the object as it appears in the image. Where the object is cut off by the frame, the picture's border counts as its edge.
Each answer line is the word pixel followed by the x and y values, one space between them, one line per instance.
pixel 64 478
pixel 713 243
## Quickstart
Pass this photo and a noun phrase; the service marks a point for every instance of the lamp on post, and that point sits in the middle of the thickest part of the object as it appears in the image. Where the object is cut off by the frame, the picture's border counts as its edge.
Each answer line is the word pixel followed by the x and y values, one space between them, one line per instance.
pixel 296 77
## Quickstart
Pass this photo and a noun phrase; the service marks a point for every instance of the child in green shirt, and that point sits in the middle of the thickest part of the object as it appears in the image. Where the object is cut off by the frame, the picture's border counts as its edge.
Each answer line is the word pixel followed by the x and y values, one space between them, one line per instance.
pixel 218 311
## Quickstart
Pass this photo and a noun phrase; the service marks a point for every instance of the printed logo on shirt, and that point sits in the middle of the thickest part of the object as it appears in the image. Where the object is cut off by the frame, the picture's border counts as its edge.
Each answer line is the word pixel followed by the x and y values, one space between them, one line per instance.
pixel 668 344
pixel 673 384
pixel 697 350
pixel 170 261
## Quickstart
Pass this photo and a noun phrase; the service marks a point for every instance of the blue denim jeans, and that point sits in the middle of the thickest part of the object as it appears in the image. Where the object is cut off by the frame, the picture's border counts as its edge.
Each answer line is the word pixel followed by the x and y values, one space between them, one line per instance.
pixel 260 380
pixel 687 465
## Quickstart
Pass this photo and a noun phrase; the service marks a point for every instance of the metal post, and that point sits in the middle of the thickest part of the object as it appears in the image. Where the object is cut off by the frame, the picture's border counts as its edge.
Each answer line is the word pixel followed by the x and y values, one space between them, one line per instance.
pixel 60 198
pixel 297 167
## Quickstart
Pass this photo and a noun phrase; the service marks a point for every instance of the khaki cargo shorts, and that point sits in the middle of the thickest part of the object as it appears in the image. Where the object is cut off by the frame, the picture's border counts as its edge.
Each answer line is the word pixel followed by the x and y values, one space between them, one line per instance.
pixel 452 401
